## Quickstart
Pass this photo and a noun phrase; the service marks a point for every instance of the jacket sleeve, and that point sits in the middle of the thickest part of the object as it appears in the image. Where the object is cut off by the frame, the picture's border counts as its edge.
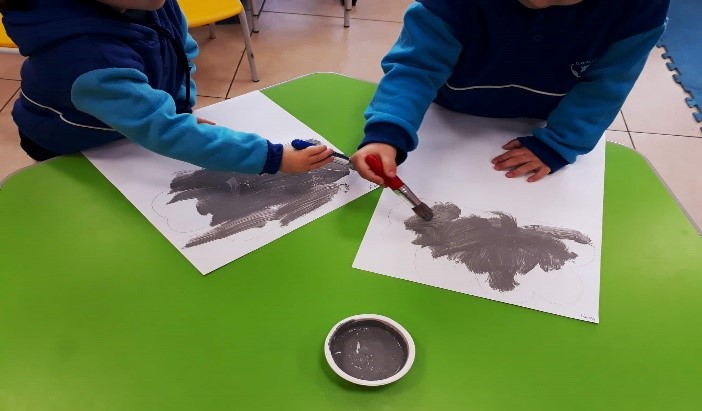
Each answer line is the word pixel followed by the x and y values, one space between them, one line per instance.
pixel 579 121
pixel 123 99
pixel 416 67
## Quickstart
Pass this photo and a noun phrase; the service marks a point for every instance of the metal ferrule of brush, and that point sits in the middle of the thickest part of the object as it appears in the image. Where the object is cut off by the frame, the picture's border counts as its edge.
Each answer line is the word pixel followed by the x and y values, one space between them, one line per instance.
pixel 405 192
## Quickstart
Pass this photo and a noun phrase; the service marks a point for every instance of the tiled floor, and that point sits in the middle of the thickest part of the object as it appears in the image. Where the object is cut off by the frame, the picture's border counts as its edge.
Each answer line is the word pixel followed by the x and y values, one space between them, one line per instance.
pixel 301 36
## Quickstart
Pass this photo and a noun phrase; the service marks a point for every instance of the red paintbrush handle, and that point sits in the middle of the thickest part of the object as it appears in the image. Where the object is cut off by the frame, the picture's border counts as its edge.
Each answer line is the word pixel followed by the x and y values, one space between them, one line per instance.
pixel 376 165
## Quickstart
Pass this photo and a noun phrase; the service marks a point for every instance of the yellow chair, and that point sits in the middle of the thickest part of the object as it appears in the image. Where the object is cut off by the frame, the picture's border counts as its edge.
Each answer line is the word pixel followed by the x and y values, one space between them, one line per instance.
pixel 6 45
pixel 207 12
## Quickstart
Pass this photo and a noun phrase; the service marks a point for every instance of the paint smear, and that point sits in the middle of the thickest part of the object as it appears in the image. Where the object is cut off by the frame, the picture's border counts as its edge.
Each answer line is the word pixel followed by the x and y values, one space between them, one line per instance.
pixel 238 202
pixel 495 246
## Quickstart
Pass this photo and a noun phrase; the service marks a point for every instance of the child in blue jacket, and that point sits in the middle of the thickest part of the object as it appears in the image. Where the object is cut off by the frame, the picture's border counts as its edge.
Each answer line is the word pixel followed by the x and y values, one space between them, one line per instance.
pixel 569 62
pixel 97 71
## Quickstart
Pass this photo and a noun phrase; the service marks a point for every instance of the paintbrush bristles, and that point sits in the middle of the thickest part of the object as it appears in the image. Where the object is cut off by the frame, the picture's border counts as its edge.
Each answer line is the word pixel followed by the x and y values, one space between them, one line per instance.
pixel 423 211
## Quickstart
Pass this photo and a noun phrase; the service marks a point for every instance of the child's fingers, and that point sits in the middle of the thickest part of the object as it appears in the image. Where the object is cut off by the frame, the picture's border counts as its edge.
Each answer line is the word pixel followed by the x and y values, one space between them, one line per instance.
pixel 318 164
pixel 513 162
pixel 204 121
pixel 512 144
pixel 313 150
pixel 509 154
pixel 369 175
pixel 389 166
pixel 365 171
pixel 523 169
pixel 543 172
pixel 314 158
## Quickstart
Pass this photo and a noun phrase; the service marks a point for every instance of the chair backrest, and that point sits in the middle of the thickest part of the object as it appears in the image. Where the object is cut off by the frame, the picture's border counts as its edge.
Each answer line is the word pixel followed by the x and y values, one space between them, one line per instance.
pixel 5 41
pixel 204 12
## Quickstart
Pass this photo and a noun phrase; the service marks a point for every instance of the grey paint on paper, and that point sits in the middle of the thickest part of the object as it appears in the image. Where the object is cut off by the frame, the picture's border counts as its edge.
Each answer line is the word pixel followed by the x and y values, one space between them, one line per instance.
pixel 239 202
pixel 495 246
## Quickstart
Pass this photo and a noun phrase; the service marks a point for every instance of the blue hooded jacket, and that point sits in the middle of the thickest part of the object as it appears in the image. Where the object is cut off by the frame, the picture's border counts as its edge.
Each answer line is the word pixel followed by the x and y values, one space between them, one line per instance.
pixel 572 66
pixel 94 75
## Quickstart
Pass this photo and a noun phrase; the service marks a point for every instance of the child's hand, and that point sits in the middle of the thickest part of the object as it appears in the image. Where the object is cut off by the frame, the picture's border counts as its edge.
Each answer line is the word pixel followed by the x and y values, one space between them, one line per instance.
pixel 299 161
pixel 204 121
pixel 521 161
pixel 387 154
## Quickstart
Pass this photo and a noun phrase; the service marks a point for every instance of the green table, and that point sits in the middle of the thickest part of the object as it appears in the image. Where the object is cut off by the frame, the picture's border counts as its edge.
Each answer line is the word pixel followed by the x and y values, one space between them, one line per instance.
pixel 99 312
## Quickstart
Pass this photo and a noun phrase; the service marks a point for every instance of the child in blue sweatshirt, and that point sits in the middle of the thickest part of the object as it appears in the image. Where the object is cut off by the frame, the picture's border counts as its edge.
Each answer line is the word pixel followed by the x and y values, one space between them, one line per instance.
pixel 569 62
pixel 97 71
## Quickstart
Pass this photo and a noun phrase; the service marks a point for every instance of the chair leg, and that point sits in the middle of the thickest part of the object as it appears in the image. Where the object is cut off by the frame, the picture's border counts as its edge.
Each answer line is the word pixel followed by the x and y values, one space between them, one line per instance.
pixel 254 16
pixel 347 13
pixel 249 47
pixel 212 33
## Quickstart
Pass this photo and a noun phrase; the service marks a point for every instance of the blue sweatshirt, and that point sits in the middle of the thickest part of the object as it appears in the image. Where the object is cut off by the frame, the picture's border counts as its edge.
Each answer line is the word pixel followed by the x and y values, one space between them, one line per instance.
pixel 94 75
pixel 572 66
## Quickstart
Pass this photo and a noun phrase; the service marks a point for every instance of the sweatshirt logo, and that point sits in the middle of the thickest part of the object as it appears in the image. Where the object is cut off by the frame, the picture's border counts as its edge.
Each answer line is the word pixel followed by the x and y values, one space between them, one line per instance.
pixel 579 67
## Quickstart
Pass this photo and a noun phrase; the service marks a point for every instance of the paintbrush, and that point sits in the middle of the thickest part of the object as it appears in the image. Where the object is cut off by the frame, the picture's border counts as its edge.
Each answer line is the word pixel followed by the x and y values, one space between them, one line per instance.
pixel 400 188
pixel 337 157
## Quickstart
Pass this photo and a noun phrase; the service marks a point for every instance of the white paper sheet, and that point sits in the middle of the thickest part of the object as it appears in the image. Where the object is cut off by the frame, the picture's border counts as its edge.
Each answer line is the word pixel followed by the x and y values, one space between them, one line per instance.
pixel 452 165
pixel 145 177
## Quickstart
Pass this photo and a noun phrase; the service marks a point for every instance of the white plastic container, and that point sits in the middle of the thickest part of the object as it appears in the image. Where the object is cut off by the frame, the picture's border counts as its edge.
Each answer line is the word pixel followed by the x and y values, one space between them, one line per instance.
pixel 369 349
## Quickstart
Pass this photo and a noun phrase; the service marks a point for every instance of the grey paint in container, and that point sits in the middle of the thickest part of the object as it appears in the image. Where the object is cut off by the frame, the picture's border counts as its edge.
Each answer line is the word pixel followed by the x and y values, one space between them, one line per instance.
pixel 369 349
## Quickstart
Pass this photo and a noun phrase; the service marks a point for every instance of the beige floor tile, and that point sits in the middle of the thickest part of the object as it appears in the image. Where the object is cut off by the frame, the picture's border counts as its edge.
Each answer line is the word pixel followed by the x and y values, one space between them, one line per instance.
pixel 330 8
pixel 8 88
pixel 290 46
pixel 675 158
pixel 12 157
pixel 383 10
pixel 657 104
pixel 10 65
pixel 618 123
pixel 388 10
pixel 218 59
pixel 620 137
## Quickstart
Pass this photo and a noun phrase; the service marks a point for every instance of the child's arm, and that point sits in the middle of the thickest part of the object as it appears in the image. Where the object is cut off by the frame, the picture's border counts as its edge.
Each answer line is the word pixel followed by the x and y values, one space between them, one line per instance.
pixel 578 122
pixel 421 61
pixel 123 99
